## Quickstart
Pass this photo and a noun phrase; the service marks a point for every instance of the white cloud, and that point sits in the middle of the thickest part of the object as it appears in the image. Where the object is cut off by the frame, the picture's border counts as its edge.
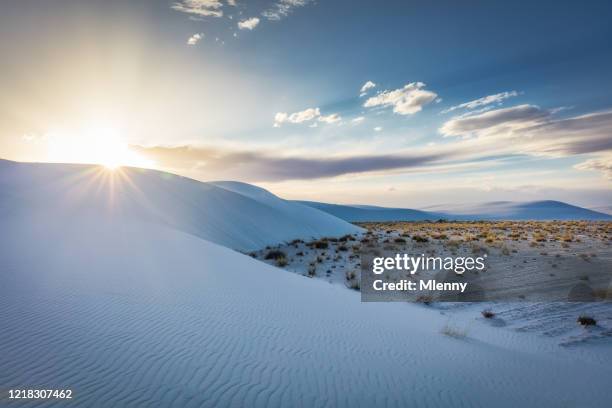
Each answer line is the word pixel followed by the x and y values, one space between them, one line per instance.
pixel 194 39
pixel 208 8
pixel 378 128
pixel 485 100
pixel 231 3
pixel 494 121
pixel 528 129
pixel 405 101
pixel 365 88
pixel 358 120
pixel 282 8
pixel 333 118
pixel 306 115
pixel 248 24
pixel 602 164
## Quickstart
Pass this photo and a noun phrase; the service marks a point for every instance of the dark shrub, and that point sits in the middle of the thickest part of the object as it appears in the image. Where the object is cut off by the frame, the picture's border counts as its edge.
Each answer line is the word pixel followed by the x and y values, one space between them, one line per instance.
pixel 321 244
pixel 586 321
pixel 488 314
pixel 399 240
pixel 275 254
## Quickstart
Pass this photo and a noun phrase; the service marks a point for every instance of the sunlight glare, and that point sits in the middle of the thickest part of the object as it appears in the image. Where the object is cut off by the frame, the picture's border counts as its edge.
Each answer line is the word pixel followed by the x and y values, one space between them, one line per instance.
pixel 95 145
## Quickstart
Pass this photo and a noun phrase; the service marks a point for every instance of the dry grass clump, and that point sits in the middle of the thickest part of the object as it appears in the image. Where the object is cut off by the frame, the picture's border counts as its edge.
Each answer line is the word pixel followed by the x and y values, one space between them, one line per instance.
pixel 586 321
pixel 275 254
pixel 321 244
pixel 487 314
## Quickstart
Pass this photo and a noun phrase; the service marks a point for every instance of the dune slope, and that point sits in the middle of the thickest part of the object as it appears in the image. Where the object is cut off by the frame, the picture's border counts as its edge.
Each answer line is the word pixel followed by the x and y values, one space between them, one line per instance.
pixel 129 311
pixel 202 209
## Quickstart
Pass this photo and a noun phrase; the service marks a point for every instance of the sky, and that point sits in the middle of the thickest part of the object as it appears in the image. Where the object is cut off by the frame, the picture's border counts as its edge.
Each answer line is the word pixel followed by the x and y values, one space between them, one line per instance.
pixel 395 103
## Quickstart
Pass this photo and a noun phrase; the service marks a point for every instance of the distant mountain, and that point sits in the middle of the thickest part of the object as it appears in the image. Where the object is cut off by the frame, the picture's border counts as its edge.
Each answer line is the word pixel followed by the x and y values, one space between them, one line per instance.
pixel 358 213
pixel 498 210
pixel 510 210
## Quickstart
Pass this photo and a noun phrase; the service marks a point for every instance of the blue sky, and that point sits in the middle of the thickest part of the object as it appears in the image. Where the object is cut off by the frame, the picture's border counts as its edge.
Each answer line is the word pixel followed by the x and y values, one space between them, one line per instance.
pixel 473 101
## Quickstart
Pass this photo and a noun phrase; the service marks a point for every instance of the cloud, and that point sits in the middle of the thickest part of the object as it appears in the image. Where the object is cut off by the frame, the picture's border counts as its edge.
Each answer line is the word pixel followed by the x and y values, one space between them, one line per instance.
pixel 248 24
pixel 365 88
pixel 602 164
pixel 528 129
pixel 378 128
pixel 496 136
pixel 358 120
pixel 333 118
pixel 507 118
pixel 256 166
pixel 306 115
pixel 485 100
pixel 405 101
pixel 206 8
pixel 194 39
pixel 231 3
pixel 283 8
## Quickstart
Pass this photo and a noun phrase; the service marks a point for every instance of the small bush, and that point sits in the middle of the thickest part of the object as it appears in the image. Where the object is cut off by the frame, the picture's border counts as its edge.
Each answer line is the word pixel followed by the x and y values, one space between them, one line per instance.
pixel 321 244
pixel 345 238
pixel 399 240
pixel 280 262
pixel 488 314
pixel 586 321
pixel 424 299
pixel 275 254
pixel 419 238
pixel 312 270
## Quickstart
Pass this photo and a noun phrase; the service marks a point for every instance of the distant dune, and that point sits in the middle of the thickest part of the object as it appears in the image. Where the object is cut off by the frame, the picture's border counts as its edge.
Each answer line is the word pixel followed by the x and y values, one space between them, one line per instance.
pixel 217 214
pixel 501 210
pixel 359 213
pixel 509 210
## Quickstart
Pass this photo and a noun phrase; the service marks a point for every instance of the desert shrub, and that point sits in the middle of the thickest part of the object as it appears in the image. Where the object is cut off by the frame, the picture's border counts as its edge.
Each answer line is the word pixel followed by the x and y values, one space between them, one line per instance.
pixel 419 238
pixel 280 262
pixel 321 244
pixel 343 248
pixel 399 240
pixel 299 253
pixel 275 254
pixel 345 238
pixel 586 320
pixel 312 270
pixel 350 275
pixel 488 314
pixel 425 299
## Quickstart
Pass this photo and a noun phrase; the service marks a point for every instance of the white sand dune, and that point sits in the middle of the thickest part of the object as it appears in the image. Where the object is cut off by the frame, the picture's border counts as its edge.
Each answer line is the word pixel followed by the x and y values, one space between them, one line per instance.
pixel 131 311
pixel 202 209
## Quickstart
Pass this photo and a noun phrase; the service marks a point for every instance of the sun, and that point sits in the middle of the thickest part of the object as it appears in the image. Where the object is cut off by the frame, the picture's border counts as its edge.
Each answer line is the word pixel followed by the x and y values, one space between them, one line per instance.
pixel 102 145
